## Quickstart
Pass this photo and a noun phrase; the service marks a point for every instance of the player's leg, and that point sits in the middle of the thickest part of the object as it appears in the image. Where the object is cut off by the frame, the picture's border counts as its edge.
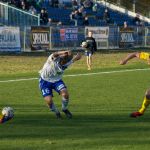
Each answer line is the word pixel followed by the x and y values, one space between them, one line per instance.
pixel 46 89
pixel 61 88
pixel 87 61
pixel 145 104
pixel 52 106
pixel 129 57
pixel 65 100
pixel 90 61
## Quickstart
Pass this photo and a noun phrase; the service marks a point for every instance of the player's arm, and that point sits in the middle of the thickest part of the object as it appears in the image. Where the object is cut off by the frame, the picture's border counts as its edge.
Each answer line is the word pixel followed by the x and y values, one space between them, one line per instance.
pixel 129 57
pixel 95 45
pixel 61 53
pixel 76 57
pixel 54 55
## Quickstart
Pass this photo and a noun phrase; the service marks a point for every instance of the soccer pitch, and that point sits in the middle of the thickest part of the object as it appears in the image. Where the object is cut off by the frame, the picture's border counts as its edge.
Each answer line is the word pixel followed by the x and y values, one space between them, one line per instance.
pixel 100 100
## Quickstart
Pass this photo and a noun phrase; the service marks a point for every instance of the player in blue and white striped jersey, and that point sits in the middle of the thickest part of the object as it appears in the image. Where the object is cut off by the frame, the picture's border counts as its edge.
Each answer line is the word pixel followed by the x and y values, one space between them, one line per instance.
pixel 51 79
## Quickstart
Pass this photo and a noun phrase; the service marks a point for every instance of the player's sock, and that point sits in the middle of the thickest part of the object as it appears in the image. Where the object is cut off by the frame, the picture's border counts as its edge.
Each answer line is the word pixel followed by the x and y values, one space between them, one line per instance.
pixel 145 104
pixel 64 103
pixel 54 109
pixel 64 108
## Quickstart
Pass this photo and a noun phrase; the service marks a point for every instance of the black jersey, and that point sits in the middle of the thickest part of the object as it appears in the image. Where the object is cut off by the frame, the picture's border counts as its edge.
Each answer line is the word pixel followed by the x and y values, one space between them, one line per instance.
pixel 91 44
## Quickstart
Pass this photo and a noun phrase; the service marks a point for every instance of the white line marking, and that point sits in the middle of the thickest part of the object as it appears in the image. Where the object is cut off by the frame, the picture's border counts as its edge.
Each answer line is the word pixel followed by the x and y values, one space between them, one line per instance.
pixel 84 74
pixel 107 72
pixel 16 80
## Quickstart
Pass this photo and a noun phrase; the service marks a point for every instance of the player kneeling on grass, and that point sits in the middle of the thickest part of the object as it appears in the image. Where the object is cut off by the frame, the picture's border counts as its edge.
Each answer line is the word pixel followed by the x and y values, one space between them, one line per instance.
pixel 51 79
pixel 140 55
pixel 146 101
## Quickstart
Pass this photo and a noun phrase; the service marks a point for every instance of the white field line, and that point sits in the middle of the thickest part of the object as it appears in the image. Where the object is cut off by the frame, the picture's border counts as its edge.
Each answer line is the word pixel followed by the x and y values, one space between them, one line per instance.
pixel 84 74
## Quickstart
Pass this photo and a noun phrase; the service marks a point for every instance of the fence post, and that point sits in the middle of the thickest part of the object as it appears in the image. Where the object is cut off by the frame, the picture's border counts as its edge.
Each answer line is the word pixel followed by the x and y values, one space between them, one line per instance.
pixel 145 37
pixel 118 36
pixel 6 12
pixel 38 19
pixel 50 38
pixel 108 37
pixel 24 40
pixel 133 5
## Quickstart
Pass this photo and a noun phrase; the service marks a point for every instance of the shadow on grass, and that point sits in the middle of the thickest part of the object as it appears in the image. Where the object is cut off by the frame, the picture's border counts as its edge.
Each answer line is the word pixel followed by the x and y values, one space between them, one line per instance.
pixel 81 126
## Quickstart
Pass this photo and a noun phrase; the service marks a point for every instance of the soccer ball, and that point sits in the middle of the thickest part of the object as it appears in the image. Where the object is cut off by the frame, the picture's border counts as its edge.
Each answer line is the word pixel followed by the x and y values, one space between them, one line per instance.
pixel 8 112
pixel 84 44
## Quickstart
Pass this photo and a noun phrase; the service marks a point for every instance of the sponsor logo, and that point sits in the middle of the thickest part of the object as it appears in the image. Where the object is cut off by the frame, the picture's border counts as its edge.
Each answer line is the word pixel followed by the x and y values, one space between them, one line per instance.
pixel 127 37
pixel 40 38
pixel 7 36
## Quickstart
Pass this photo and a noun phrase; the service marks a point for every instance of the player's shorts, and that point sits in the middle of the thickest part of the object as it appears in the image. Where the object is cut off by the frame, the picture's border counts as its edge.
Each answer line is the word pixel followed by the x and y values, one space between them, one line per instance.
pixel 48 87
pixel 144 56
pixel 87 53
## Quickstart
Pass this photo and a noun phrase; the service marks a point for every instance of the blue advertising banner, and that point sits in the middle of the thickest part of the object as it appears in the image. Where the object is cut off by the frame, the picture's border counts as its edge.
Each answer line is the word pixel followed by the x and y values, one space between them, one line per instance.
pixel 127 38
pixel 69 34
pixel 10 39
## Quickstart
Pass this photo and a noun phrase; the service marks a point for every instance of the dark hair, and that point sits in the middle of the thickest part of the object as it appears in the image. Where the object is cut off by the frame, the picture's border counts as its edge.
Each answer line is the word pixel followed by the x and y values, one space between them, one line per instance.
pixel 66 59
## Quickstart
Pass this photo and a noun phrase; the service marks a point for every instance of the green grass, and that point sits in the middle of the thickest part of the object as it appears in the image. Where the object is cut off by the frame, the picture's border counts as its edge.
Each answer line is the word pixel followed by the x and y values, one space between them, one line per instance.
pixel 101 105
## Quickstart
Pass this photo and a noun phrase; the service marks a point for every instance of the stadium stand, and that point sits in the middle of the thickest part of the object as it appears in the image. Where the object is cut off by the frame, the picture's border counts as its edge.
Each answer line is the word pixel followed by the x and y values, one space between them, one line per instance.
pixel 96 18
pixel 97 14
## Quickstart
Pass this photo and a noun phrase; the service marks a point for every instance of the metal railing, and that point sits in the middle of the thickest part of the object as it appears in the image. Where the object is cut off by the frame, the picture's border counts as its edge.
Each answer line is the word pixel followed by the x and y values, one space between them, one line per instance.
pixel 140 7
pixel 44 38
pixel 12 16
pixel 59 41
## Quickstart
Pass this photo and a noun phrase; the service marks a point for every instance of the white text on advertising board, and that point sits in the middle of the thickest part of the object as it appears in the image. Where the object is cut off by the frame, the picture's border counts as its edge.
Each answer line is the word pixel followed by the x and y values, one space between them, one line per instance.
pixel 127 37
pixel 7 36
pixel 10 39
pixel 40 38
